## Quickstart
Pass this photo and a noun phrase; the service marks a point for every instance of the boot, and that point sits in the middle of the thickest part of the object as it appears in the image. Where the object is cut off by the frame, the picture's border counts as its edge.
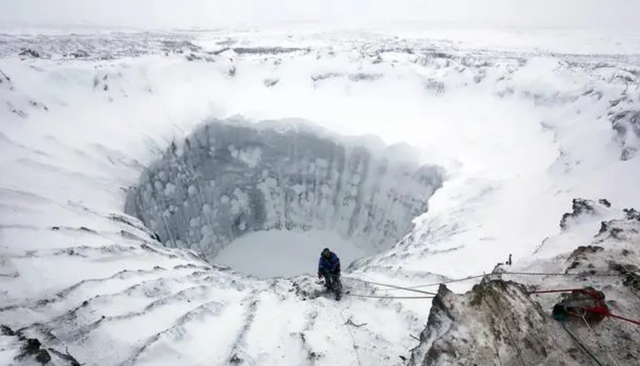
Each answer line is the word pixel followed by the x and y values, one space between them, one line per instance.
pixel 328 286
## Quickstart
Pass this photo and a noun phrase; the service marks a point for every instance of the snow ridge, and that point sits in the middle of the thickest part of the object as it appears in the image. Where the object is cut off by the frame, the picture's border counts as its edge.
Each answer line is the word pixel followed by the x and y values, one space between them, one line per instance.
pixel 172 312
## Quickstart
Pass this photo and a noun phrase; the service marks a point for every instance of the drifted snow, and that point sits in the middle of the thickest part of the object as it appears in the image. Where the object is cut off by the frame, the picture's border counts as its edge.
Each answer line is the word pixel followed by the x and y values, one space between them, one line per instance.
pixel 518 134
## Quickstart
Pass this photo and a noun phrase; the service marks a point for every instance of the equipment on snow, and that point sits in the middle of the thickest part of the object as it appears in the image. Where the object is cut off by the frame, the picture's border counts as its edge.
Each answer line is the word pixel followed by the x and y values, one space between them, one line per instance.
pixel 335 286
pixel 584 303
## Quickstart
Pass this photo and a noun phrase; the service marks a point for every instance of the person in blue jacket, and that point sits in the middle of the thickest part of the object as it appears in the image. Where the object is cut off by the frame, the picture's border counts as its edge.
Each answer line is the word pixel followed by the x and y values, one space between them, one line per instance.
pixel 329 269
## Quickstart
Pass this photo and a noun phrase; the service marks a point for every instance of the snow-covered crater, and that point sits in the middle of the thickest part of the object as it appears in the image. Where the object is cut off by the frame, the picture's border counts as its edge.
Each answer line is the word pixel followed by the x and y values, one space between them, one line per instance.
pixel 520 135
pixel 229 178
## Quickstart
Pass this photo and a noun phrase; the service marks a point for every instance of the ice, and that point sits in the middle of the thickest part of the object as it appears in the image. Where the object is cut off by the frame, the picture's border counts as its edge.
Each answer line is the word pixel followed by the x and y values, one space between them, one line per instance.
pixel 285 253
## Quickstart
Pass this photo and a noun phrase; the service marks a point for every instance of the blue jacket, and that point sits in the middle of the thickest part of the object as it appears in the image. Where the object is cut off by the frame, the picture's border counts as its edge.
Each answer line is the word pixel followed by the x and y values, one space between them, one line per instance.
pixel 332 264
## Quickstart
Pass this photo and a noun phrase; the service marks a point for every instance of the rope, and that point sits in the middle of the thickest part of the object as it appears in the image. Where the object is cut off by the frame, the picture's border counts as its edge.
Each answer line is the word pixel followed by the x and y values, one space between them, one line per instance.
pixel 5 75
pixel 499 315
pixel 353 338
pixel 519 353
pixel 400 288
pixel 558 274
pixel 596 341
pixel 554 291
pixel 625 319
pixel 506 273
pixel 432 294
pixel 445 282
pixel 390 297
pixel 582 346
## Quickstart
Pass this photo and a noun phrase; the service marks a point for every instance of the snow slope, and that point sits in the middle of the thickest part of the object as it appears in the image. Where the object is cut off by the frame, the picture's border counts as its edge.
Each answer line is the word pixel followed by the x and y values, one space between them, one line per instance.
pixel 518 134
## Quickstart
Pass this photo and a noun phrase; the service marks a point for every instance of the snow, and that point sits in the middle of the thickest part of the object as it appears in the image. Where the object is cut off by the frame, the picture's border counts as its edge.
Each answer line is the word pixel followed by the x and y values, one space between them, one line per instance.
pixel 518 132
pixel 8 349
pixel 285 253
pixel 301 179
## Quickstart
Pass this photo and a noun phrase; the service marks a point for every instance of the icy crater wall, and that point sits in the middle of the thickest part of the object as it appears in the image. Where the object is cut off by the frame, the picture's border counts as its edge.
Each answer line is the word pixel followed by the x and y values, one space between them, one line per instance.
pixel 226 180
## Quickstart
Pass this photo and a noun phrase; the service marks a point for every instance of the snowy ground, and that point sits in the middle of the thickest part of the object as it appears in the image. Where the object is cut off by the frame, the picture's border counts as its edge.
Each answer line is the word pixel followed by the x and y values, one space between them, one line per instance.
pixel 294 253
pixel 519 132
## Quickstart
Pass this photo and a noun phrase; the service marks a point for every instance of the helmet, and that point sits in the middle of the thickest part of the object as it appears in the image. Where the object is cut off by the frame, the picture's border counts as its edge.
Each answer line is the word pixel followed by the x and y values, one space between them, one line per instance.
pixel 325 252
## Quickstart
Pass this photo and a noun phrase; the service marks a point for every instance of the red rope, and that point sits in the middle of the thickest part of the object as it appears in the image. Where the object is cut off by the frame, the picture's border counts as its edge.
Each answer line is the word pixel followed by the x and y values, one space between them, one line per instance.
pixel 552 291
pixel 625 319
pixel 601 309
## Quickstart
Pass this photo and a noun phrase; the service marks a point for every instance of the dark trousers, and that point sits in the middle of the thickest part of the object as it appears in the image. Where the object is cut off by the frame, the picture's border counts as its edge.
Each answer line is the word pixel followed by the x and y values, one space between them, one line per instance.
pixel 331 279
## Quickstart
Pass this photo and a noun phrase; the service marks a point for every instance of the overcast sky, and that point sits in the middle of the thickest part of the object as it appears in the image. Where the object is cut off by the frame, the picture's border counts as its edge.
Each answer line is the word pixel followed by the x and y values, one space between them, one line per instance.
pixel 213 14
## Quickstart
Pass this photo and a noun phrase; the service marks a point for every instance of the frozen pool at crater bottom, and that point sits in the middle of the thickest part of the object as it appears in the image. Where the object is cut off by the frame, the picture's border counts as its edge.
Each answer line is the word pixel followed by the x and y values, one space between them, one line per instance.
pixel 267 254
